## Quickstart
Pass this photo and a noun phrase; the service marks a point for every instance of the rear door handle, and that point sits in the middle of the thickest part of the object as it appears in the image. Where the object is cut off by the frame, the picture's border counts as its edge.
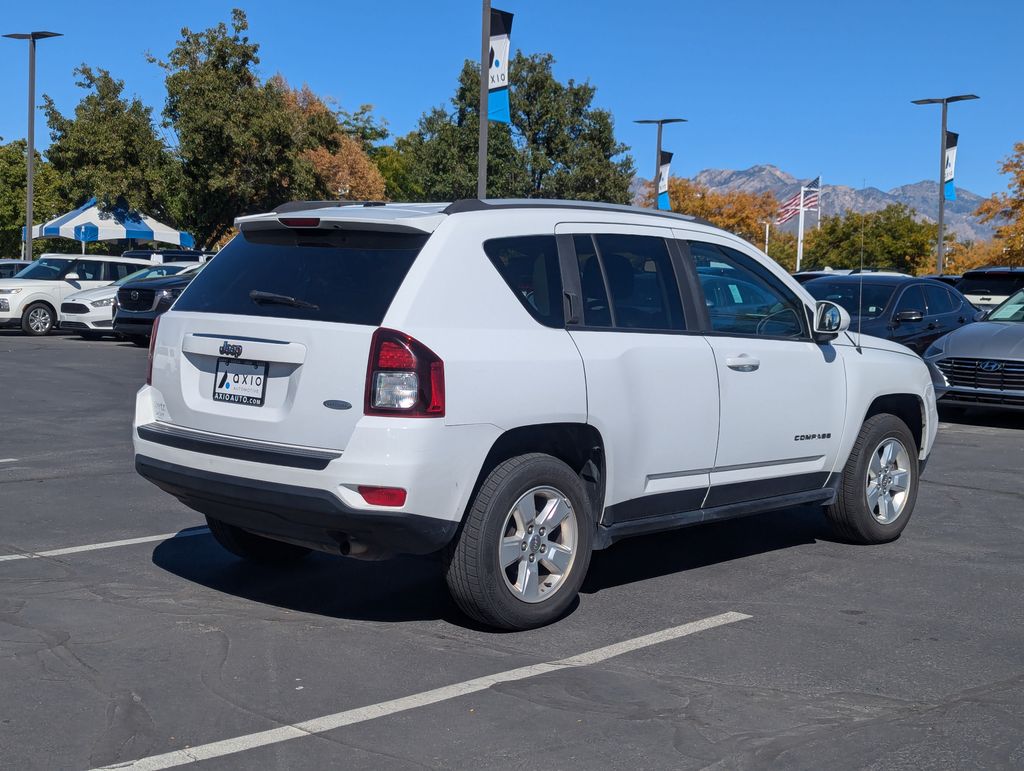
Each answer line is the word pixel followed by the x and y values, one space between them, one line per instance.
pixel 742 363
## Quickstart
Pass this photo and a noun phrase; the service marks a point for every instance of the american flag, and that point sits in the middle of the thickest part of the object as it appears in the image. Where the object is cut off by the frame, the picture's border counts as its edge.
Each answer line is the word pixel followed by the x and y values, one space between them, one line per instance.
pixel 791 206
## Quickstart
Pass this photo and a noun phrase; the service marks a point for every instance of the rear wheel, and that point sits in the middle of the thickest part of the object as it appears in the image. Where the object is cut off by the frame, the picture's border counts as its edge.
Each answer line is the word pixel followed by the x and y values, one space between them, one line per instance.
pixel 879 486
pixel 252 547
pixel 37 320
pixel 524 548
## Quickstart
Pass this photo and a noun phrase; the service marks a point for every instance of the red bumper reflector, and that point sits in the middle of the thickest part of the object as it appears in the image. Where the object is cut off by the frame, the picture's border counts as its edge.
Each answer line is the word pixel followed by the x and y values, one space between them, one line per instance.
pixel 383 496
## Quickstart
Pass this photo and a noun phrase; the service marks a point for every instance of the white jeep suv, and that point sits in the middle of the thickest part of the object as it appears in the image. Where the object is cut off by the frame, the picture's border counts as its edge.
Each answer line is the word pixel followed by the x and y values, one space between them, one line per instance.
pixel 514 384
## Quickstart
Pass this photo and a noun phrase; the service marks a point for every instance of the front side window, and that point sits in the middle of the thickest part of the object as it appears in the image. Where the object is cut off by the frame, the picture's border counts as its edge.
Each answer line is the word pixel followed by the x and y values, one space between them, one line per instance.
pixel 912 299
pixel 743 297
pixel 938 300
pixel 867 300
pixel 529 265
pixel 89 270
pixel 1011 310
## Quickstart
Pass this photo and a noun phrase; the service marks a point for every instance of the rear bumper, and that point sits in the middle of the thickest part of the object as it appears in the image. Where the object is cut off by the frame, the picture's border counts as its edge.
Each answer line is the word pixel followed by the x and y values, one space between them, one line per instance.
pixel 308 516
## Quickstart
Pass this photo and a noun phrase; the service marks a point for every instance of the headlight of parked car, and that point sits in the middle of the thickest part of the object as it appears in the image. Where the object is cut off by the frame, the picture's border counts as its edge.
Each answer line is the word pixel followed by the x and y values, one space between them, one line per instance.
pixel 169 295
pixel 102 303
pixel 10 291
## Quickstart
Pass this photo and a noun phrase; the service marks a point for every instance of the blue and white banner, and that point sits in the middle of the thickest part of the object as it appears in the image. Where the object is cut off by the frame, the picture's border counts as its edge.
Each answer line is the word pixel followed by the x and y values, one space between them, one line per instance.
pixel 497 90
pixel 663 168
pixel 948 188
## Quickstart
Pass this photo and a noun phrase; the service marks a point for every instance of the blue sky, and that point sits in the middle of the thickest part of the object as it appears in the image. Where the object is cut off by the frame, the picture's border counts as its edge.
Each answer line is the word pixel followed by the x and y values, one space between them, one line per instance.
pixel 813 88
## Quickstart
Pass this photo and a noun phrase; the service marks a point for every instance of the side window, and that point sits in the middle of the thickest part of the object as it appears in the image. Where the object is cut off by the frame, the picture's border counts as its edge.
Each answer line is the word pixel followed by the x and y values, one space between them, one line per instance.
pixel 114 271
pixel 529 265
pixel 641 282
pixel 596 312
pixel 89 270
pixel 911 300
pixel 938 300
pixel 743 297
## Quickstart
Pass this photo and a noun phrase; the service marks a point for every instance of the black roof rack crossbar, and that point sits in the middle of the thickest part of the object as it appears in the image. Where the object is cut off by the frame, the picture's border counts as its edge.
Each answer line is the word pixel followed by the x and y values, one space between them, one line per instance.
pixel 475 204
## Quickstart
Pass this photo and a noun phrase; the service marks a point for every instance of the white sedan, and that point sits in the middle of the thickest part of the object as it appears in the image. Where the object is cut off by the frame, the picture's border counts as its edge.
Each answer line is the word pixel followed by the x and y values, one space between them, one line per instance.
pixel 90 312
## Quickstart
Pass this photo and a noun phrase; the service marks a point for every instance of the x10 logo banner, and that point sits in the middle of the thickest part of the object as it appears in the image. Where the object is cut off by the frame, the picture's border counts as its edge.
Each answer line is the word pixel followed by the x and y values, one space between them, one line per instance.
pixel 497 89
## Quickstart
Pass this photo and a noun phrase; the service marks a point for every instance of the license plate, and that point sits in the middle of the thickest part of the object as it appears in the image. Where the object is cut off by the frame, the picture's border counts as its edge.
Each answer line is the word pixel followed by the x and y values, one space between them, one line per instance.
pixel 240 382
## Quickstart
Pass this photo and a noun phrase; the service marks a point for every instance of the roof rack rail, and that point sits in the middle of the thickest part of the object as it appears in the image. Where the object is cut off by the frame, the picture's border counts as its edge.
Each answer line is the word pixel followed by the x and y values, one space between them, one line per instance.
pixel 475 204
pixel 289 206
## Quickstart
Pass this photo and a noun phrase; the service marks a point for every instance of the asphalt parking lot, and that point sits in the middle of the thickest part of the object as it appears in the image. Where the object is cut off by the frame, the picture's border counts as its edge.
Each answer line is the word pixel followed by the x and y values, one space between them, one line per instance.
pixel 899 656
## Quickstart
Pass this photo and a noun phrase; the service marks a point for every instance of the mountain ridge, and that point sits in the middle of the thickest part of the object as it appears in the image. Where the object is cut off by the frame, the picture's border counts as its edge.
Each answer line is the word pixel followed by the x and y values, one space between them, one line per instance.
pixel 837 199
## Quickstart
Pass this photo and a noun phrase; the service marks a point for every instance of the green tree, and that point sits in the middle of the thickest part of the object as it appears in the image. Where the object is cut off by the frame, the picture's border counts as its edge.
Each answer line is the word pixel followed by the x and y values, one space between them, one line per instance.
pixel 889 239
pixel 236 137
pixel 47 202
pixel 110 148
pixel 557 146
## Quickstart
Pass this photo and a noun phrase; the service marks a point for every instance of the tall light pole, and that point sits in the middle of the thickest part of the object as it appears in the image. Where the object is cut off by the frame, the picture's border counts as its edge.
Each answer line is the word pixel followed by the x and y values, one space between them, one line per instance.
pixel 657 158
pixel 945 102
pixel 31 37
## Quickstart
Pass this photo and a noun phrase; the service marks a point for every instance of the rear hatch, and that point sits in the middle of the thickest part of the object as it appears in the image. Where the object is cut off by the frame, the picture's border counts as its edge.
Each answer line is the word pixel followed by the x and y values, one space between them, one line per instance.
pixel 988 288
pixel 272 338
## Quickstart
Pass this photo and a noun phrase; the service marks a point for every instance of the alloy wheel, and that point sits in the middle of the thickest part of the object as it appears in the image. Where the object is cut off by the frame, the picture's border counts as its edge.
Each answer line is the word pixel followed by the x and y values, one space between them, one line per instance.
pixel 888 481
pixel 538 544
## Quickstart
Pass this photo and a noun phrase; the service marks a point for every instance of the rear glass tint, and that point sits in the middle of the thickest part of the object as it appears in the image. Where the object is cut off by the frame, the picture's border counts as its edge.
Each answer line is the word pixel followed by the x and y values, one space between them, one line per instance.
pixel 348 277
pixel 529 265
pixel 991 283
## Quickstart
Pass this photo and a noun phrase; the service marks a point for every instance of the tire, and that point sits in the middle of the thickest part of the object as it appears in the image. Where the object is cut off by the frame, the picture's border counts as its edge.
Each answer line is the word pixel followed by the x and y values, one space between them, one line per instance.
pixel 548 564
pixel 38 320
pixel 890 478
pixel 254 548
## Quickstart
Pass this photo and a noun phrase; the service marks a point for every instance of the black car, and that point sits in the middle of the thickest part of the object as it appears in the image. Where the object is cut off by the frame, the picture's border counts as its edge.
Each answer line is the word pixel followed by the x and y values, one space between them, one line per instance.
pixel 908 310
pixel 139 302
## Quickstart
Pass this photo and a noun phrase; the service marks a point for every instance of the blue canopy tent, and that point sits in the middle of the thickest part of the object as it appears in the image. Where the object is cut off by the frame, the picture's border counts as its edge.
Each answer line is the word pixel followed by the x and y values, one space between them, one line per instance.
pixel 89 223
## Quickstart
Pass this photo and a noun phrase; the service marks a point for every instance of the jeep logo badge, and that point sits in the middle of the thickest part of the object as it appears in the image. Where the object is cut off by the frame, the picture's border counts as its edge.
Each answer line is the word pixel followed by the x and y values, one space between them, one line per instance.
pixel 227 349
pixel 990 366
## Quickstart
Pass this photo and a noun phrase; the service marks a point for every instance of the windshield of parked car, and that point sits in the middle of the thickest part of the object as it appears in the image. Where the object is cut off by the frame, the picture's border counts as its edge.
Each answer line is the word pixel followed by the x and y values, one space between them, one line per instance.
pixel 46 269
pixel 1011 310
pixel 991 283
pixel 846 293
pixel 157 272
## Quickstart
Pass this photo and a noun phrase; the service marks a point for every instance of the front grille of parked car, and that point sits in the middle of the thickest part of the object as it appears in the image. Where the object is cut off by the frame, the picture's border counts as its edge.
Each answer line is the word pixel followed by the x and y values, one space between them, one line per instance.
pixel 992 374
pixel 135 299
pixel 73 308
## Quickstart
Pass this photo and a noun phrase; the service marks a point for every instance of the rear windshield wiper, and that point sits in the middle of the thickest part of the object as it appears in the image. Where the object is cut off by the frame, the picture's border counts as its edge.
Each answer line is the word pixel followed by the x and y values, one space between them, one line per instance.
pixel 258 297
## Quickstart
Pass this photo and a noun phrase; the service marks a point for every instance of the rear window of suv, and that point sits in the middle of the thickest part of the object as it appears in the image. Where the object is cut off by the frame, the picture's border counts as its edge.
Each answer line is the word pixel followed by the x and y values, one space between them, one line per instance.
pixel 991 283
pixel 342 276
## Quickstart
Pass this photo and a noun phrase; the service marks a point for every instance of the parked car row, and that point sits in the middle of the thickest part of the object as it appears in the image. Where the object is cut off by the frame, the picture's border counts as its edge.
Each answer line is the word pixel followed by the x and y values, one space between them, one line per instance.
pixel 58 289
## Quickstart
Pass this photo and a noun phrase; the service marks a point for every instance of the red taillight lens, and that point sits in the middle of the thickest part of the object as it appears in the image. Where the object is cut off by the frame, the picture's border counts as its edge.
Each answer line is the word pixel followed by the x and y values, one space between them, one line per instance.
pixel 403 377
pixel 152 347
pixel 383 496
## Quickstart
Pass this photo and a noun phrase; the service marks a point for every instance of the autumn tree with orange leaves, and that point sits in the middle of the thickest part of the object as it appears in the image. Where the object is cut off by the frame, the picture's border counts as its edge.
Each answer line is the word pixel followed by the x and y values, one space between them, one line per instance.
pixel 1008 210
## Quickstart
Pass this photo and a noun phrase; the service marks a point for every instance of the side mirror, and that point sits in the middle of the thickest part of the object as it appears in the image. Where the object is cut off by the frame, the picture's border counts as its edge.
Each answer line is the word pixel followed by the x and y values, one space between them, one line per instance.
pixel 71 277
pixel 829 320
pixel 903 316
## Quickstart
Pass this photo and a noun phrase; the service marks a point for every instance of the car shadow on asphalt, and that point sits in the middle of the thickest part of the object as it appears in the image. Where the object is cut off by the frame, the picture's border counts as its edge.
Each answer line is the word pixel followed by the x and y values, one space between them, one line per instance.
pixel 413 588
pixel 980 416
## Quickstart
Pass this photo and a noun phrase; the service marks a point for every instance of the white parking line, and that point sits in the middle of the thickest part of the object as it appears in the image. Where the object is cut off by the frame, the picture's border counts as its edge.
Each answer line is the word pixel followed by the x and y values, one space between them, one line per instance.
pixel 106 545
pixel 362 714
pixel 8 460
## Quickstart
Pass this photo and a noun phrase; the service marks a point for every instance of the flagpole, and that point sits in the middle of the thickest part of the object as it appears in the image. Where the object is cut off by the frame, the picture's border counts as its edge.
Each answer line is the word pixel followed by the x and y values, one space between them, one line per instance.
pixel 485 50
pixel 800 238
pixel 821 197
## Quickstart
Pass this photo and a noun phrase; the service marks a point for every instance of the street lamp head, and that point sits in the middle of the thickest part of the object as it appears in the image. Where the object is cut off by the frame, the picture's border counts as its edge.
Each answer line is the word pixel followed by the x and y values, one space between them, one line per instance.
pixel 927 101
pixel 33 35
pixel 946 100
pixel 663 120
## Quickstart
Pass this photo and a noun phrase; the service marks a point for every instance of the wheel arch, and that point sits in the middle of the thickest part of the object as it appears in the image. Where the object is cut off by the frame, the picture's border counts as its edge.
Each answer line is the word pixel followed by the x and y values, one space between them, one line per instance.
pixel 579 445
pixel 907 407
